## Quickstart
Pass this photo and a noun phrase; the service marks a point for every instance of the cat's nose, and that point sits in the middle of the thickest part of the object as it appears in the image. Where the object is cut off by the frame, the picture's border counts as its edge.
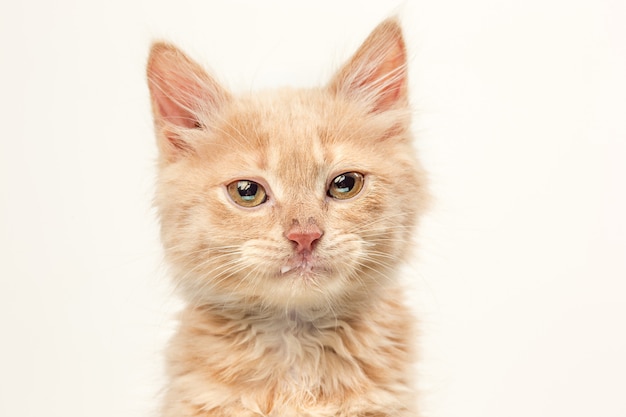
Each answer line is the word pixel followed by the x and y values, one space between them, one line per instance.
pixel 305 238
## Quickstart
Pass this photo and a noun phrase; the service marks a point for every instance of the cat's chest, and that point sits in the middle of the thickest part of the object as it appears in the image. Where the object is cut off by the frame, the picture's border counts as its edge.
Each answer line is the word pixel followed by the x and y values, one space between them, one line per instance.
pixel 310 358
pixel 278 368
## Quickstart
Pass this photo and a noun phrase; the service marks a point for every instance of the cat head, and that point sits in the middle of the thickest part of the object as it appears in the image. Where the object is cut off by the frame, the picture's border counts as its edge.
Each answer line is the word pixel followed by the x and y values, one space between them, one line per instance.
pixel 294 199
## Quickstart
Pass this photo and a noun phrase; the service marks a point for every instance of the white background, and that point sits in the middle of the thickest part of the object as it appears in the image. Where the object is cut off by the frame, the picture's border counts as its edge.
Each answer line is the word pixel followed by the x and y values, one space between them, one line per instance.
pixel 521 120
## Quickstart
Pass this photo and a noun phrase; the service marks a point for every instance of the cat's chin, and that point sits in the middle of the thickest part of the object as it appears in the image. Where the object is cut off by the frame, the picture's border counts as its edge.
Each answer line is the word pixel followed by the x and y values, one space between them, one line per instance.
pixel 308 283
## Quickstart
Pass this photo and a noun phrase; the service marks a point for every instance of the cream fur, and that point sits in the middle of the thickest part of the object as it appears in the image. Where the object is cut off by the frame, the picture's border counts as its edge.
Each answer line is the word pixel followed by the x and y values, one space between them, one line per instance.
pixel 263 335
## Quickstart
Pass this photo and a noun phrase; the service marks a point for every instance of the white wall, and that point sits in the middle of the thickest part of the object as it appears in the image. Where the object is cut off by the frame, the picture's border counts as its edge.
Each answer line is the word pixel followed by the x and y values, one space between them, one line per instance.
pixel 521 120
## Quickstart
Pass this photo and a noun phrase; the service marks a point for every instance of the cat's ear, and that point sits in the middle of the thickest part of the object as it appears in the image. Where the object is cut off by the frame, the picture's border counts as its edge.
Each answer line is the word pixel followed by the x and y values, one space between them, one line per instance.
pixel 376 74
pixel 184 97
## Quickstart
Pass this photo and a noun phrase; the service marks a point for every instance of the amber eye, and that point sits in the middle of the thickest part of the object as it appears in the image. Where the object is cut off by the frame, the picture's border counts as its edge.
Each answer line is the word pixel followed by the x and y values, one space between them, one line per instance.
pixel 346 185
pixel 247 193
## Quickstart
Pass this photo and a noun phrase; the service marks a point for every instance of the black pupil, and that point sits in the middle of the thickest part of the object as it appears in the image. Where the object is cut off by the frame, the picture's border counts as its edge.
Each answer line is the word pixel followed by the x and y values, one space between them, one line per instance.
pixel 344 183
pixel 247 189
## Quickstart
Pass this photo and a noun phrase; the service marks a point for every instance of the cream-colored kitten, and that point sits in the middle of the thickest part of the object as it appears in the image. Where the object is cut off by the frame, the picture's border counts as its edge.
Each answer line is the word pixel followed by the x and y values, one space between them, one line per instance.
pixel 285 216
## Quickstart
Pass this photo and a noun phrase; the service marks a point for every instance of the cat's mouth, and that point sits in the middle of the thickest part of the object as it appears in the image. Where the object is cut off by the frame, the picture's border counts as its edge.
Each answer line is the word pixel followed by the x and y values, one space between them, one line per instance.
pixel 302 266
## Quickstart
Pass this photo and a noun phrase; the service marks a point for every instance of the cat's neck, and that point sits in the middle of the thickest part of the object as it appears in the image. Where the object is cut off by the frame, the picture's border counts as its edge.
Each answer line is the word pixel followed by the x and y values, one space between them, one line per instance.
pixel 278 356
pixel 281 316
pixel 295 316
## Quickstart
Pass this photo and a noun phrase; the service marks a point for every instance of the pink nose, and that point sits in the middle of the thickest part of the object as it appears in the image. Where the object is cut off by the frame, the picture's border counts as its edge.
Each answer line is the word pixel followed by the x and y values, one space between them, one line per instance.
pixel 304 238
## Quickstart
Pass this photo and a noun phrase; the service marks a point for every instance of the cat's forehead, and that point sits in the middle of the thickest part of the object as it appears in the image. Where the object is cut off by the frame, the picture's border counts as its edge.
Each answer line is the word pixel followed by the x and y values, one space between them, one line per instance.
pixel 292 139
pixel 286 129
pixel 281 140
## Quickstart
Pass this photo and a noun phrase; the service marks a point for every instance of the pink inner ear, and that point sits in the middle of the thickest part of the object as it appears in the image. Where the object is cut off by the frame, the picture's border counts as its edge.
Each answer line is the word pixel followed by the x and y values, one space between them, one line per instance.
pixel 393 78
pixel 173 112
pixel 391 75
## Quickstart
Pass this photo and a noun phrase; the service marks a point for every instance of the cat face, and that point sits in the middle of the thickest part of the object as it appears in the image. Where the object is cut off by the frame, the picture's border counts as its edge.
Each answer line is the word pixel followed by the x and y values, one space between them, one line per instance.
pixel 297 199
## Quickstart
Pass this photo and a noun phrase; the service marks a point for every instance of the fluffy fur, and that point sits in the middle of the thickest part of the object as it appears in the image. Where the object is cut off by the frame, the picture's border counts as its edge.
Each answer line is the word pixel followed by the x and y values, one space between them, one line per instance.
pixel 274 326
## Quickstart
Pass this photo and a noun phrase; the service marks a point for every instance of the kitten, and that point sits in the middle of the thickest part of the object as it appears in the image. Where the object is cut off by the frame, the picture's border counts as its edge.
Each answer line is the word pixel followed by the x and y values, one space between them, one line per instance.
pixel 284 217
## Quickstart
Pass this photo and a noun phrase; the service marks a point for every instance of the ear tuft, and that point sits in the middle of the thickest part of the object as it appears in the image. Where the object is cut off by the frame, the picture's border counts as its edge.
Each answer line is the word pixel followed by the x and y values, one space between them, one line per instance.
pixel 376 74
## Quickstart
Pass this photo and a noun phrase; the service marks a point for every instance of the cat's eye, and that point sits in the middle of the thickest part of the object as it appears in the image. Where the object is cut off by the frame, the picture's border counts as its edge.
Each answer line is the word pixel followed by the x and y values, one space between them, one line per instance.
pixel 247 193
pixel 346 185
